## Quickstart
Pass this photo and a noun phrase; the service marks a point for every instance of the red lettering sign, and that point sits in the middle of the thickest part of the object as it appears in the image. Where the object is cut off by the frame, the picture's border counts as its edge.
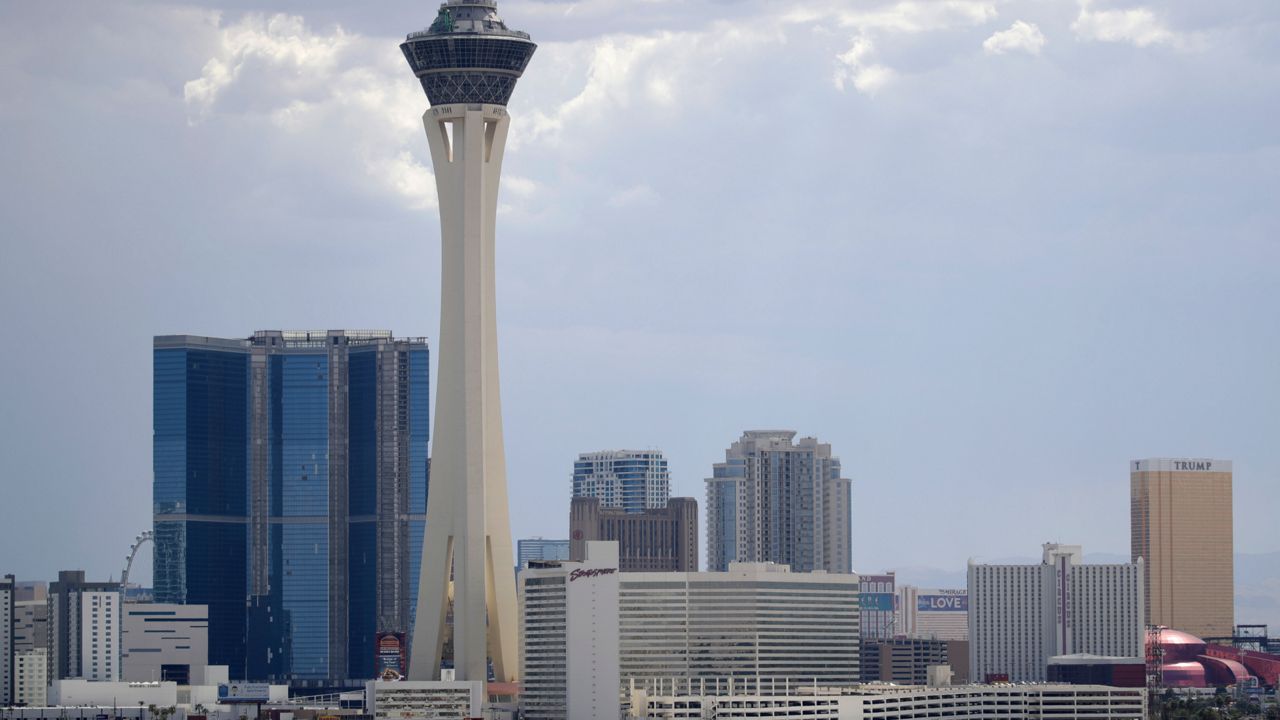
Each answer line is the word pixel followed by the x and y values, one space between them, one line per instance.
pixel 590 573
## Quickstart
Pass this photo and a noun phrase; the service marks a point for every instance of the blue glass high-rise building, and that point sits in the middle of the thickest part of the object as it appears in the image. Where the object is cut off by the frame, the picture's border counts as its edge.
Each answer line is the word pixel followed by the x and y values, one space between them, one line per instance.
pixel 630 480
pixel 290 495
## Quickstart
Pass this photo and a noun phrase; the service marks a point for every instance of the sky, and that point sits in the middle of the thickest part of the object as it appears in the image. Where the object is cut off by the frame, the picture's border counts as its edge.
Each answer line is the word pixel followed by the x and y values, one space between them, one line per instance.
pixel 989 250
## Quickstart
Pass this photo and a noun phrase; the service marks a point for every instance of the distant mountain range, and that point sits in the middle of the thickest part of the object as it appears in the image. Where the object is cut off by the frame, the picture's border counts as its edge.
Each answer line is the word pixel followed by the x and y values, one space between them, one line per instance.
pixel 1257 582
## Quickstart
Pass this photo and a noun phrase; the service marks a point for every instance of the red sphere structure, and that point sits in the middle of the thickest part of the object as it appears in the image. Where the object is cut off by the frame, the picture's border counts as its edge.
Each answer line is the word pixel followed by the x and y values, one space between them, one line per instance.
pixel 1185 664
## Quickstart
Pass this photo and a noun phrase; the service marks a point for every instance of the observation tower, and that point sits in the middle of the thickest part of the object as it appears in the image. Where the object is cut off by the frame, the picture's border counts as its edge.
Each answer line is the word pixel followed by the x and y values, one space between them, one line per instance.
pixel 468 63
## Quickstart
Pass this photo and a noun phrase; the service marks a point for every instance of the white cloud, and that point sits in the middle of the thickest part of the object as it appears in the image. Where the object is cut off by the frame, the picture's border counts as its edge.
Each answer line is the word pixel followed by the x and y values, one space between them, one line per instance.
pixel 519 186
pixel 335 89
pixel 908 16
pixel 407 177
pixel 1022 36
pixel 636 195
pixel 1137 26
pixel 854 67
pixel 627 71
pixel 279 41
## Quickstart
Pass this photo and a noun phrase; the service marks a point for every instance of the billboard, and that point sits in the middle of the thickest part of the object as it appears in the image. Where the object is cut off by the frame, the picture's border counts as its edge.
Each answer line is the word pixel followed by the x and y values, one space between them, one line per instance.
pixel 391 654
pixel 239 692
pixel 942 603
pixel 876 601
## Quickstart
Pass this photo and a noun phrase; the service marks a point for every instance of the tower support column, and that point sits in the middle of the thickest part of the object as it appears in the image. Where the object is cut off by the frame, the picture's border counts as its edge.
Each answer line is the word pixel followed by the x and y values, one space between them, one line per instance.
pixel 468 533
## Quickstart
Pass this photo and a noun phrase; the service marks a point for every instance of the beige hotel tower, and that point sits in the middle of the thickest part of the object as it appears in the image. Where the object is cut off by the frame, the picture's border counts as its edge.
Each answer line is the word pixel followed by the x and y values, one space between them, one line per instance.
pixel 1180 519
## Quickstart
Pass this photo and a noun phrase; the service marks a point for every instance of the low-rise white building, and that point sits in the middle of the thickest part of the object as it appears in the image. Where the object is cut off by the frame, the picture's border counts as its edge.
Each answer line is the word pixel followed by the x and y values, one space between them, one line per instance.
pixel 569 637
pixel 1022 615
pixel 76 692
pixel 888 702
pixel 31 678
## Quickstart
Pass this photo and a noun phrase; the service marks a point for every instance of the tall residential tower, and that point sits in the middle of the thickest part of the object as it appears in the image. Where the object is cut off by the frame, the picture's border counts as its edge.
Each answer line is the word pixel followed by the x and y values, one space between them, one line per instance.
pixel 629 480
pixel 8 586
pixel 290 495
pixel 468 63
pixel 1180 519
pixel 775 500
pixel 83 628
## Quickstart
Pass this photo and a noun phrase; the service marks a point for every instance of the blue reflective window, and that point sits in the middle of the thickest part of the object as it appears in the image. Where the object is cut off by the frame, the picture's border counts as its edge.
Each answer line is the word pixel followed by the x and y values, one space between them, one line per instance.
pixel 200 466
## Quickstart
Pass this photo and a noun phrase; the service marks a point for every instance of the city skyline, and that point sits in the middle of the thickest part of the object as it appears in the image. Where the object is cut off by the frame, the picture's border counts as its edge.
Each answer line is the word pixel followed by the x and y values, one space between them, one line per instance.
pixel 1041 318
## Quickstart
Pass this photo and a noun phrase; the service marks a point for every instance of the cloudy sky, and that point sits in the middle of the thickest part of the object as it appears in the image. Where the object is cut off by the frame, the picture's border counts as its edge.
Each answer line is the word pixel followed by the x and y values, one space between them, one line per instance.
pixel 990 250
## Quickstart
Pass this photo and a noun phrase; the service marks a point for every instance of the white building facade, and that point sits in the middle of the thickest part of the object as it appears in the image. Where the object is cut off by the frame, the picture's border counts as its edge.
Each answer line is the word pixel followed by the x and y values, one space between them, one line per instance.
pixel 80 691
pixel 756 624
pixel 74 605
pixel 164 641
pixel 966 702
pixel 933 613
pixel 1022 615
pixel 100 636
pixel 569 638
pixel 31 678
pixel 778 500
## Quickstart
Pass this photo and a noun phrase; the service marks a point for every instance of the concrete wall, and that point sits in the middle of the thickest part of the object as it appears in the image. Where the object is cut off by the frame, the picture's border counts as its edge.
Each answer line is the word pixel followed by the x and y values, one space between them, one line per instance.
pixel 159 634
pixel 118 694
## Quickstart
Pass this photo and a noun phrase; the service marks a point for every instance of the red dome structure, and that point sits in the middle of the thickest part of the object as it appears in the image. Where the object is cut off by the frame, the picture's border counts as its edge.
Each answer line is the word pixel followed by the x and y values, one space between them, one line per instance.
pixel 1185 664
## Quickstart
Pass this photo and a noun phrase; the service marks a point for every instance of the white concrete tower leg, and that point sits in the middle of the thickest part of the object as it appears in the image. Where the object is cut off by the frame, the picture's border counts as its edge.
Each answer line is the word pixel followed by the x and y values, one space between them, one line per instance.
pixel 501 587
pixel 468 528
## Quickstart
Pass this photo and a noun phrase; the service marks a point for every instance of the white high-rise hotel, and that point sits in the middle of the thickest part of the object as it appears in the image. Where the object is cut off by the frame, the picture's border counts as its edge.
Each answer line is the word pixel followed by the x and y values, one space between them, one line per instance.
pixel 589 632
pixel 468 62
pixel 1022 615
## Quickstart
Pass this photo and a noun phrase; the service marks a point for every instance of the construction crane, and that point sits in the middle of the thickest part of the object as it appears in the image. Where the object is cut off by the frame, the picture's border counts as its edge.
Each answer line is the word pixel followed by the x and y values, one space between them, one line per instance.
pixel 144 536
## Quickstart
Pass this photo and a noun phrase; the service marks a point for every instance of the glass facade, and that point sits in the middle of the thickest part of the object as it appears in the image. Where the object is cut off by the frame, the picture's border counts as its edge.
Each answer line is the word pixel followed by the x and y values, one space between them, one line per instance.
pixel 200 460
pixel 468 55
pixel 315 548
pixel 419 467
pixel 362 479
pixel 632 480
pixel 304 493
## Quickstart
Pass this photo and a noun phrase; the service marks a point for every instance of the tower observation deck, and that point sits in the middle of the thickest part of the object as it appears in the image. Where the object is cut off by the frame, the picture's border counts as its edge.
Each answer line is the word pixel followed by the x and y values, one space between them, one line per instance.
pixel 468 55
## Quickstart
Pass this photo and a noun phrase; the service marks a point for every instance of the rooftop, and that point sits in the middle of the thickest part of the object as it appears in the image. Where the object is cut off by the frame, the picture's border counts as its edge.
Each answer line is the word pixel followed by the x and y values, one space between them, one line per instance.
pixel 287 339
pixel 467 16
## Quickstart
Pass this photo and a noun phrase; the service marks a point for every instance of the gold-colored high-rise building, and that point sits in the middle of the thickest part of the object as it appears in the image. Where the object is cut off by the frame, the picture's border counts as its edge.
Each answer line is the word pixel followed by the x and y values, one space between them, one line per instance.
pixel 1180 519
